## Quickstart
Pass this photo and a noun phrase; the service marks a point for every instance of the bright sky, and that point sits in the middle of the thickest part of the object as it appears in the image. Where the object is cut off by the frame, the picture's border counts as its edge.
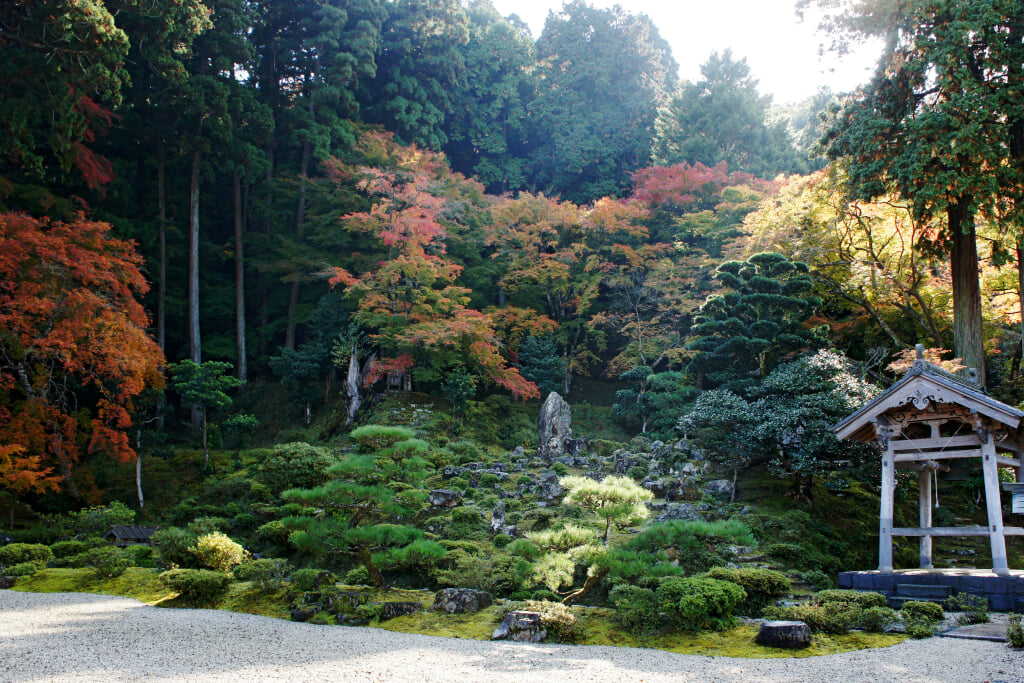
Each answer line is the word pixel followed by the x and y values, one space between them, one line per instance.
pixel 782 51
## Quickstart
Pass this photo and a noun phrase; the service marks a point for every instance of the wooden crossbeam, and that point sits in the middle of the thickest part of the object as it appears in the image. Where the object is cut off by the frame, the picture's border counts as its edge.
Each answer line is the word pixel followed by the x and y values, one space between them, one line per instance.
pixel 954 531
pixel 899 445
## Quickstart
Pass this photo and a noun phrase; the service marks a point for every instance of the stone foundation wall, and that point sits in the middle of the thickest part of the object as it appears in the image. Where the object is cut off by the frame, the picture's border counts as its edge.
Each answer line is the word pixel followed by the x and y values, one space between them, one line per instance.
pixel 1004 593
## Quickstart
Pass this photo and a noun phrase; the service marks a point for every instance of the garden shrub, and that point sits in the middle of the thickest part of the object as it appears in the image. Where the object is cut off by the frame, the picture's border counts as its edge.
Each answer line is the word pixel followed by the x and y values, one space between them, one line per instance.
pixel 18 553
pixel 829 617
pixel 696 546
pixel 859 599
pixel 62 549
pixel 494 572
pixel 357 576
pixel 175 547
pixel 208 525
pixel 918 610
pixel 379 437
pixel 875 619
pixel 501 540
pixel 274 532
pixel 1014 631
pixel 199 586
pixel 762 587
pixel 22 569
pixel 266 574
pixel 304 579
pixel 140 556
pixel 106 562
pixel 817 579
pixel 974 608
pixel 296 465
pixel 560 469
pixel 218 552
pixel 636 609
pixel 697 603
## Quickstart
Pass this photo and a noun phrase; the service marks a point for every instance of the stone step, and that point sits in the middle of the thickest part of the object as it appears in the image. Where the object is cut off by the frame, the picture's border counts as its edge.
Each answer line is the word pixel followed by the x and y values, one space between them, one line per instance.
pixel 915 591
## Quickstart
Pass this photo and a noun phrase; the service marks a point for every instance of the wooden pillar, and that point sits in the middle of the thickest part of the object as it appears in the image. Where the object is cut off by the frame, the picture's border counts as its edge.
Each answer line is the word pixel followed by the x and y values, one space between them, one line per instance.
pixel 925 480
pixel 994 505
pixel 885 516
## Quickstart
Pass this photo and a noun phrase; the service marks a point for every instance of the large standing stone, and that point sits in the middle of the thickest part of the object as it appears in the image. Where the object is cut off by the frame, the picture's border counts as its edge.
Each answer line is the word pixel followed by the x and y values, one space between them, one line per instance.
pixel 789 634
pixel 524 627
pixel 722 488
pixel 555 427
pixel 461 600
pixel 677 511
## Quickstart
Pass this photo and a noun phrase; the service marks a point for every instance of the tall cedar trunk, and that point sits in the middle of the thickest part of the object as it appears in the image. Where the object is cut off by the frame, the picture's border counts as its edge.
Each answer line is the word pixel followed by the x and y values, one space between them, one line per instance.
pixel 967 329
pixel 1020 290
pixel 243 370
pixel 161 296
pixel 268 226
pixel 300 219
pixel 194 344
pixel 352 386
pixel 138 467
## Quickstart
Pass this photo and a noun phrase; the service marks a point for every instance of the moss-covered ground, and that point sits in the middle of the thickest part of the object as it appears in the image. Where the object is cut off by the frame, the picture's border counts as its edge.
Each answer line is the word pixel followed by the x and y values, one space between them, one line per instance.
pixel 595 626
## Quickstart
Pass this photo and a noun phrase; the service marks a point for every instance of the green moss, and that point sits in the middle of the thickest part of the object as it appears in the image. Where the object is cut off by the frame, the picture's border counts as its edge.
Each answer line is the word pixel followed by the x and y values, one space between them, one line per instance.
pixel 141 584
pixel 478 626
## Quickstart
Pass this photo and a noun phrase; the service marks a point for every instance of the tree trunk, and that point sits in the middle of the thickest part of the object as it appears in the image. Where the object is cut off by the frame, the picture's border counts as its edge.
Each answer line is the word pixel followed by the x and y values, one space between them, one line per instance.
pixel 268 226
pixel 161 296
pixel 194 344
pixel 1020 289
pixel 352 387
pixel 300 219
pixel 967 330
pixel 592 581
pixel 366 557
pixel 138 467
pixel 206 446
pixel 243 370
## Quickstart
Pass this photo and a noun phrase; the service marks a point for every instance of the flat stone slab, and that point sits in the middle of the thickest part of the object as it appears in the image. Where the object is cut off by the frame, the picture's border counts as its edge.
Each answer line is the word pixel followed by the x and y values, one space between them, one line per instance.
pixel 993 632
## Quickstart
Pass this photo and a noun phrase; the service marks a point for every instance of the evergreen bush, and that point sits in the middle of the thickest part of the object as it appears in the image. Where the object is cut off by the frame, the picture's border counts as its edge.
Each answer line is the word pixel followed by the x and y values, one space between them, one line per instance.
pixel 62 549
pixel 1014 631
pixel 304 579
pixel 695 603
pixel 21 569
pixel 637 610
pixel 199 586
pixel 107 562
pixel 294 465
pixel 266 574
pixel 926 612
pixel 379 437
pixel 762 587
pixel 18 553
pixel 875 619
pixel 175 547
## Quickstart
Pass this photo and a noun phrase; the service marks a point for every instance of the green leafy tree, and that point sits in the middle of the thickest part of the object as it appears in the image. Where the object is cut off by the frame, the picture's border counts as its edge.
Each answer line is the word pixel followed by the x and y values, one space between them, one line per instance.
pixel 203 387
pixel 459 388
pixel 722 117
pixel 721 422
pixel 541 363
pixel 603 74
pixel 743 333
pixel 361 512
pixel 487 130
pixel 941 124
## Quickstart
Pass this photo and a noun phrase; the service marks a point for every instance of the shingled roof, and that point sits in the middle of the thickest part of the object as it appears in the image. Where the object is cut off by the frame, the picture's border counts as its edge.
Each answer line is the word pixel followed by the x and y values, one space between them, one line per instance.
pixel 131 534
pixel 925 383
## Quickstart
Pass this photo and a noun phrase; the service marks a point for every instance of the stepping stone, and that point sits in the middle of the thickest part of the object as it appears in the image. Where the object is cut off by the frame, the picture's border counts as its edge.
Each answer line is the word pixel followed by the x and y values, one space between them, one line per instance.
pixel 993 632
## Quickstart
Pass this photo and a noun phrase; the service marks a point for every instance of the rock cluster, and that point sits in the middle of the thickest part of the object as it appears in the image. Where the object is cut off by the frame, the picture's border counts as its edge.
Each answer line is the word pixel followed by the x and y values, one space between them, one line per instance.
pixel 461 600
pixel 523 627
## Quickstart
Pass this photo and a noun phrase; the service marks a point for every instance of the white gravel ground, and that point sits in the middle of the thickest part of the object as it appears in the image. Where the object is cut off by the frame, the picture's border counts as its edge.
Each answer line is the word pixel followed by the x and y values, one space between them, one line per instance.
pixel 81 637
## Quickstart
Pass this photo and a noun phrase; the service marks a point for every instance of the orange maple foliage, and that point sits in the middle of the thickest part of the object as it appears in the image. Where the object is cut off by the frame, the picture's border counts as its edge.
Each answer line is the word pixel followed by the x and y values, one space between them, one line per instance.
pixel 73 345
pixel 409 298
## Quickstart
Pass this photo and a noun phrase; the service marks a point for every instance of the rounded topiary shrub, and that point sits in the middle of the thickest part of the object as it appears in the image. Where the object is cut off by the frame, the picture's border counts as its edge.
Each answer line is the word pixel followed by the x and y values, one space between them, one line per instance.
pixel 697 603
pixel 762 587
pixel 875 619
pixel 218 552
pixel 21 569
pixel 107 562
pixel 636 609
pixel 918 610
pixel 379 437
pixel 175 547
pixel 62 549
pixel 200 586
pixel 860 599
pixel 296 465
pixel 304 579
pixel 17 553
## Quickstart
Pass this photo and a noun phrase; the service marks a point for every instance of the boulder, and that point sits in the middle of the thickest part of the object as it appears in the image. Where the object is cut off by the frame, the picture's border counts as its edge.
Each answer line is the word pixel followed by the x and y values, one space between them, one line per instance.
pixel 8 582
pixel 524 627
pixel 655 486
pixel 303 614
pixel 793 635
pixel 445 498
pixel 399 609
pixel 461 600
pixel 550 492
pixel 554 426
pixel 679 511
pixel 344 601
pixel 450 471
pixel 719 487
pixel 349 620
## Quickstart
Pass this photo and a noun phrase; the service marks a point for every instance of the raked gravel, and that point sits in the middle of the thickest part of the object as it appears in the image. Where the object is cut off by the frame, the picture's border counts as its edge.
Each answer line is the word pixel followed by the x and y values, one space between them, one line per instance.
pixel 81 637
